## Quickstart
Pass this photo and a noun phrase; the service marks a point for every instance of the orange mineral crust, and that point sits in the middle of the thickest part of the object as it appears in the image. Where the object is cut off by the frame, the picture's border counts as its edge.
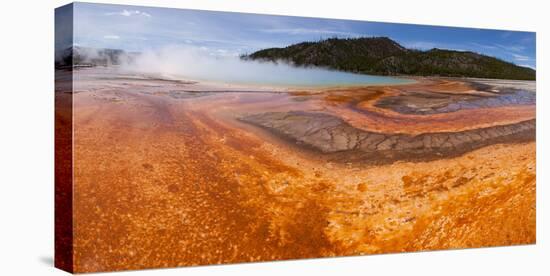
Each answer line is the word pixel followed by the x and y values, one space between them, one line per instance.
pixel 173 173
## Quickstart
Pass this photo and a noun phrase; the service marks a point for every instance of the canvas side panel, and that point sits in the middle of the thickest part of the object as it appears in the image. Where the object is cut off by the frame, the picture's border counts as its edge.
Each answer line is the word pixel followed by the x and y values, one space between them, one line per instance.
pixel 63 138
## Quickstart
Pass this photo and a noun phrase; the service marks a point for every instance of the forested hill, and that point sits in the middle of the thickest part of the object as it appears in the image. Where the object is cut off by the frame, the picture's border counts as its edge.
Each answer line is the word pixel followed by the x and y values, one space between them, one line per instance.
pixel 383 56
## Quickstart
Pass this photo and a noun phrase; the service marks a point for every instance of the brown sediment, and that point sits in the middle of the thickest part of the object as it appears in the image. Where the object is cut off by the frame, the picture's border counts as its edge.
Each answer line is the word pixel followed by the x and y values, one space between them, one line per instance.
pixel 445 122
pixel 368 108
pixel 64 235
pixel 469 201
pixel 164 181
pixel 179 196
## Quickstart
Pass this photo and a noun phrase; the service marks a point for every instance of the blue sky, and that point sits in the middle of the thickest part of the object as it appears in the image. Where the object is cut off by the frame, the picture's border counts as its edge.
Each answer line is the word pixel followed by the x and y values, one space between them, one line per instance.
pixel 136 28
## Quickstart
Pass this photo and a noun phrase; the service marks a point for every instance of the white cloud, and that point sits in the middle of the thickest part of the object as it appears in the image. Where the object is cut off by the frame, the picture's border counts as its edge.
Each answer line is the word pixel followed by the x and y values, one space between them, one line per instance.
pixel 421 45
pixel 129 13
pixel 145 14
pixel 513 48
pixel 302 31
pixel 520 57
pixel 528 66
pixel 485 46
pixel 111 37
pixel 510 48
pixel 224 53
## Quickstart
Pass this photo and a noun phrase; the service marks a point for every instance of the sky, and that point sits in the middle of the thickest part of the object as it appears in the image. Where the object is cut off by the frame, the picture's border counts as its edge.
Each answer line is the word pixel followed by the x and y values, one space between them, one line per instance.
pixel 134 28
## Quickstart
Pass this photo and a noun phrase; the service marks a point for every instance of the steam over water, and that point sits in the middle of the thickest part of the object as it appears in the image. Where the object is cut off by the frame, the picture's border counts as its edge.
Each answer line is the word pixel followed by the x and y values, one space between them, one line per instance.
pixel 200 65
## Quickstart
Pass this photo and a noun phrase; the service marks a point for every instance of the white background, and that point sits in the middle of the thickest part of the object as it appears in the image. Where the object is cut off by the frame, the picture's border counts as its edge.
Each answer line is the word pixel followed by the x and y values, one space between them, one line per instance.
pixel 26 135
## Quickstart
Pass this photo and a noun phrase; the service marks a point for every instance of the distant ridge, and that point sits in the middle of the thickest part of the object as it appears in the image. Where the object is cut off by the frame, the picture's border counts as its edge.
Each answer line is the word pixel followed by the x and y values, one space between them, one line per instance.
pixel 79 56
pixel 383 56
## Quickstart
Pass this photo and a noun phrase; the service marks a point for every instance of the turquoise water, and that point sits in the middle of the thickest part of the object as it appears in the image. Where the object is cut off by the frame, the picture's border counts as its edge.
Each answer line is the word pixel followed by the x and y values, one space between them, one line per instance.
pixel 301 77
pixel 193 65
pixel 234 71
pixel 196 65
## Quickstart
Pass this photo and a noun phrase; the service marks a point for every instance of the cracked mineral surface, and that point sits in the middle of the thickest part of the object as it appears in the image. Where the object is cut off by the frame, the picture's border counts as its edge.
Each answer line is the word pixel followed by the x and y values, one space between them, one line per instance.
pixel 330 134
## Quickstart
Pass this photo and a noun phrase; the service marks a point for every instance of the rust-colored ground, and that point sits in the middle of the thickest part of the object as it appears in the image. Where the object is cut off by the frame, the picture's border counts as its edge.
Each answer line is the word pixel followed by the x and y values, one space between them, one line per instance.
pixel 162 181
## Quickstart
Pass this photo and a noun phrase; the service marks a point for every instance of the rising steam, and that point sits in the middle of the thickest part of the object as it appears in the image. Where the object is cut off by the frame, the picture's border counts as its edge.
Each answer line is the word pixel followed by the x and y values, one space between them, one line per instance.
pixel 192 63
